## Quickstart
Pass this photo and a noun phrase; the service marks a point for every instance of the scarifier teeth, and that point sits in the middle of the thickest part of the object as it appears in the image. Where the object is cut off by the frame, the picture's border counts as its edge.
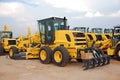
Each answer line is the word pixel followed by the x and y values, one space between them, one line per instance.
pixel 97 60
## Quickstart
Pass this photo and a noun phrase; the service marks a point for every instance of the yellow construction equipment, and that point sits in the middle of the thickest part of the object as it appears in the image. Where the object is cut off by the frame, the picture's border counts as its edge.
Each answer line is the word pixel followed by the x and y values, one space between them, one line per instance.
pixel 114 49
pixel 26 46
pixel 90 37
pixel 107 34
pixel 58 44
pixel 112 46
pixel 6 40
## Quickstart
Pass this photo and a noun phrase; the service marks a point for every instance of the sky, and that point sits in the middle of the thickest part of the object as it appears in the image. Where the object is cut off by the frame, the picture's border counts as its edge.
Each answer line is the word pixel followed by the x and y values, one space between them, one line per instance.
pixel 19 14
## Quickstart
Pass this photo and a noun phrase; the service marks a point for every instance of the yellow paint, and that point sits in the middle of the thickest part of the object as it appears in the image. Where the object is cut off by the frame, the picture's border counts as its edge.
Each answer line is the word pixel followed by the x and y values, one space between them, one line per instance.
pixel 58 56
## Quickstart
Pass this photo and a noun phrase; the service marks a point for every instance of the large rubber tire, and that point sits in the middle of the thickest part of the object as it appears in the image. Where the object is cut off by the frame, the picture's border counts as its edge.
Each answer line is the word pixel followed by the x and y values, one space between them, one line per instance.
pixel 62 54
pixel 13 50
pixel 1 50
pixel 79 60
pixel 45 55
pixel 117 53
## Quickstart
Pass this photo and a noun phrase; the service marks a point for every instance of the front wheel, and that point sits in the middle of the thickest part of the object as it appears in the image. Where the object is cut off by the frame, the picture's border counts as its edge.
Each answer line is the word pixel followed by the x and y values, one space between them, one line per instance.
pixel 60 56
pixel 45 55
pixel 118 53
pixel 13 50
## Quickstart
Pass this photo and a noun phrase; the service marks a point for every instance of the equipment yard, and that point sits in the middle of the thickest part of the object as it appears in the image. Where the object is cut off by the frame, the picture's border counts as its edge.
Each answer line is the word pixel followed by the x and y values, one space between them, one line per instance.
pixel 32 69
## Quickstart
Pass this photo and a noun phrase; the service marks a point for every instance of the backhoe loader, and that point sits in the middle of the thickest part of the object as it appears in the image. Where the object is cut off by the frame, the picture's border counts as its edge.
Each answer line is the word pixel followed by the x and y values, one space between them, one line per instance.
pixel 58 44
pixel 6 40
pixel 107 34
pixel 114 49
pixel 112 46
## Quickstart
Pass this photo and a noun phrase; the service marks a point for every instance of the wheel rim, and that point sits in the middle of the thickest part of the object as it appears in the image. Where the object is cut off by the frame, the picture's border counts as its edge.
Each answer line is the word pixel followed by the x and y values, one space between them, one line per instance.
pixel 11 53
pixel 58 56
pixel 43 55
pixel 119 53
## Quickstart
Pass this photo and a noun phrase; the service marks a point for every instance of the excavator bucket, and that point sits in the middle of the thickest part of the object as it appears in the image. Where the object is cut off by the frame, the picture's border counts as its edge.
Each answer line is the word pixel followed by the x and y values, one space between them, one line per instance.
pixel 94 58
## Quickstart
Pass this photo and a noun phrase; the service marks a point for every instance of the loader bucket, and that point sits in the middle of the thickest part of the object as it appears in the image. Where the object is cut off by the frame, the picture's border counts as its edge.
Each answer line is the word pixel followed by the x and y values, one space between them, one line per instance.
pixel 94 58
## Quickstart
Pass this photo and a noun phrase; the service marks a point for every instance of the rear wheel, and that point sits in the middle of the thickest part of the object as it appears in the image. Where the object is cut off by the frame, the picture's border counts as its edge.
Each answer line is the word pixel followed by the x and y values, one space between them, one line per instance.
pixel 45 55
pixel 60 56
pixel 118 53
pixel 1 50
pixel 13 50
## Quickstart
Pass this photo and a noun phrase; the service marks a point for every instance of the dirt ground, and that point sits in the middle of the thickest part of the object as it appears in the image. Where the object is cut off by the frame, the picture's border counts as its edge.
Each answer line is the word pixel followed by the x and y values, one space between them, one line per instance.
pixel 34 70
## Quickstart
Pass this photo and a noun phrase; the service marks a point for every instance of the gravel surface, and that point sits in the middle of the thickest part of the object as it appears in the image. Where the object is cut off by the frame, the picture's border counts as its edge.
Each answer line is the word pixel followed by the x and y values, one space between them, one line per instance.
pixel 33 70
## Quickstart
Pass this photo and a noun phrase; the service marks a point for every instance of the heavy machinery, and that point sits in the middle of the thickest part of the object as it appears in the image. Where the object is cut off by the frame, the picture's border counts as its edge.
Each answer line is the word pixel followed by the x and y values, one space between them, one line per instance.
pixel 6 40
pixel 26 46
pixel 114 49
pixel 112 46
pixel 59 45
pixel 90 37
pixel 98 32
pixel 107 34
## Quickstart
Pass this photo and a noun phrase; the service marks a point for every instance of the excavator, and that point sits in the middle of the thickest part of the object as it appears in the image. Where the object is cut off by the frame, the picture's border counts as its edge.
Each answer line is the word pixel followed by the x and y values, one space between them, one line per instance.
pixel 6 40
pixel 59 45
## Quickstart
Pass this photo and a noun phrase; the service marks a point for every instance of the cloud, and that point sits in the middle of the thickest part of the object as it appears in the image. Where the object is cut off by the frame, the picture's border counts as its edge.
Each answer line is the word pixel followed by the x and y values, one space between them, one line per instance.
pixel 91 14
pixel 10 9
pixel 116 14
pixel 98 14
pixel 74 5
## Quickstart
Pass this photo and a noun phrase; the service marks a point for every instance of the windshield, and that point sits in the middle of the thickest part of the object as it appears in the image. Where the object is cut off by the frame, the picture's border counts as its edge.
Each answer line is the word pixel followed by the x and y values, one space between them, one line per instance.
pixel 117 30
pixel 97 30
pixel 108 31
pixel 58 25
pixel 5 34
pixel 81 29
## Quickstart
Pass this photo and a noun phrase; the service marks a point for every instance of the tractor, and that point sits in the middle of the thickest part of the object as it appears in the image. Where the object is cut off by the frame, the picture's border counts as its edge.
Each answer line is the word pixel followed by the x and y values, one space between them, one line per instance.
pixel 6 40
pixel 59 45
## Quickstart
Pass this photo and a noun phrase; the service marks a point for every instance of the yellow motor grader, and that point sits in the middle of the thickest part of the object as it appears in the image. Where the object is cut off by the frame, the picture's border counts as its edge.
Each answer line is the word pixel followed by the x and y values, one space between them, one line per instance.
pixel 59 45
pixel 26 46
pixel 6 40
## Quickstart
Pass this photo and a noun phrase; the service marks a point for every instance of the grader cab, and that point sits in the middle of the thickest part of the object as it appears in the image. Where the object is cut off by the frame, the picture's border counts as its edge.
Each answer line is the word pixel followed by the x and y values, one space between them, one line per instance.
pixel 58 44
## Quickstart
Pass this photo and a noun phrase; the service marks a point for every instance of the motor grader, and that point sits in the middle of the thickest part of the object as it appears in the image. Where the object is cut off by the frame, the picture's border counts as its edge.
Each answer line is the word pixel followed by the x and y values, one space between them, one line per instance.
pixel 6 40
pixel 26 46
pixel 59 45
